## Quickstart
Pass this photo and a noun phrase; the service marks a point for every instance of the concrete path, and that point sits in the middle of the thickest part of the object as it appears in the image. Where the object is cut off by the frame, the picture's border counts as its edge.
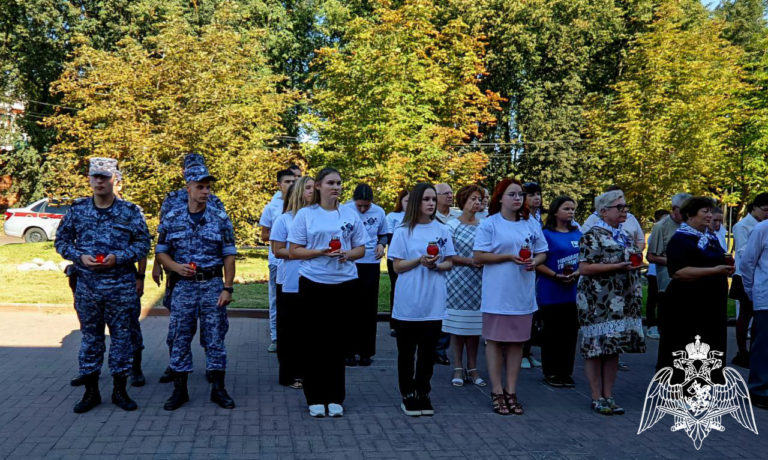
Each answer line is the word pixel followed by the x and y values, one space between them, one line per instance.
pixel 38 357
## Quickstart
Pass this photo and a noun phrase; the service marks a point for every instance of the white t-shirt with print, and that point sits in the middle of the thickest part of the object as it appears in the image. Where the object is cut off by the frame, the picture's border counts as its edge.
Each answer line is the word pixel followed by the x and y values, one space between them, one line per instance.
pixel 375 223
pixel 287 270
pixel 420 293
pixel 313 227
pixel 508 289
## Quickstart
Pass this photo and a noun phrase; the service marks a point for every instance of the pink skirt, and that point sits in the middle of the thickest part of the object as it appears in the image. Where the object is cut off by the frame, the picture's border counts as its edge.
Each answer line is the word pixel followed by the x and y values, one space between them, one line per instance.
pixel 507 328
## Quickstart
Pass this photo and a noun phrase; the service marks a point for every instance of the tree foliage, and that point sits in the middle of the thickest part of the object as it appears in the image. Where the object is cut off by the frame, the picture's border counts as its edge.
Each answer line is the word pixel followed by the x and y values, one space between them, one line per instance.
pixel 395 99
pixel 147 103
pixel 666 127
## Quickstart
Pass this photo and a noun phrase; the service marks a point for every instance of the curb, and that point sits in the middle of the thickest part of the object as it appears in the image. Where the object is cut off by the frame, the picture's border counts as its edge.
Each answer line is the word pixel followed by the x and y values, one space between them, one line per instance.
pixel 53 308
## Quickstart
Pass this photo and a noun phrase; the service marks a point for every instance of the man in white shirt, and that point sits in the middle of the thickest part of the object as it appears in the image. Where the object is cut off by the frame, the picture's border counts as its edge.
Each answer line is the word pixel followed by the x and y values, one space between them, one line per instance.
pixel 297 174
pixel 754 272
pixel 272 211
pixel 757 211
pixel 444 211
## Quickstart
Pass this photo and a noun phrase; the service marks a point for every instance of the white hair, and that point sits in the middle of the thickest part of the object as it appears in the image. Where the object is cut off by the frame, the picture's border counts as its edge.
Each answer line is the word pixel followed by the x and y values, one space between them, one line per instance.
pixel 605 200
pixel 679 199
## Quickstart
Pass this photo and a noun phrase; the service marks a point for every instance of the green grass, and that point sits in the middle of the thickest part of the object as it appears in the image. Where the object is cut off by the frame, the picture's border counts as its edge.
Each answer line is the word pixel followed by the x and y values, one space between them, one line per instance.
pixel 250 286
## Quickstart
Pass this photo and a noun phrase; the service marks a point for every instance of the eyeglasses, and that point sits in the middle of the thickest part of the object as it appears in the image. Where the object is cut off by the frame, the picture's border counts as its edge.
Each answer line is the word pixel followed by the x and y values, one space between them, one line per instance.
pixel 516 194
pixel 619 207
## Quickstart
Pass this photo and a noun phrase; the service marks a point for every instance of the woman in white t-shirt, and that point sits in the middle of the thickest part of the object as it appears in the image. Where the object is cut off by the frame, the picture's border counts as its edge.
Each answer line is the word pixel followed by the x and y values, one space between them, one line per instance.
pixel 420 295
pixel 361 336
pixel 290 312
pixel 327 238
pixel 394 219
pixel 509 287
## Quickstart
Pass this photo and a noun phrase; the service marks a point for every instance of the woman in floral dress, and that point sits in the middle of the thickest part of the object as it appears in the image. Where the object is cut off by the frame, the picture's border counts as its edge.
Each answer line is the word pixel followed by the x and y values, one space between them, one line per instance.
pixel 463 320
pixel 609 300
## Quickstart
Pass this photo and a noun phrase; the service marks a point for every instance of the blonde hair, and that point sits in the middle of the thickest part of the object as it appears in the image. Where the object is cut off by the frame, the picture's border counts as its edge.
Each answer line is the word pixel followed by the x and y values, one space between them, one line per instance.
pixel 295 199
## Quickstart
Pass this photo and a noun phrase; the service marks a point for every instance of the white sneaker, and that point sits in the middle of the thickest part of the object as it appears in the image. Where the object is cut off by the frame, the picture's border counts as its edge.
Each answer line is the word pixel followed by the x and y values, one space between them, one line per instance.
pixel 652 333
pixel 317 410
pixel 335 410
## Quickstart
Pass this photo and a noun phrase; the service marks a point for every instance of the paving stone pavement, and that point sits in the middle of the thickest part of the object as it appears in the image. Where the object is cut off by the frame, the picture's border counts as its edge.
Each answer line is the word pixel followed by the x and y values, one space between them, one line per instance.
pixel 38 357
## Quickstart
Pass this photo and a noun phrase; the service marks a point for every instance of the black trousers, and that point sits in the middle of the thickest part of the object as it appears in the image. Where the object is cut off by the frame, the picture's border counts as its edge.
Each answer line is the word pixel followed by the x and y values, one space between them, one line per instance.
pixel 392 281
pixel 416 342
pixel 324 378
pixel 291 331
pixel 652 303
pixel 363 314
pixel 558 338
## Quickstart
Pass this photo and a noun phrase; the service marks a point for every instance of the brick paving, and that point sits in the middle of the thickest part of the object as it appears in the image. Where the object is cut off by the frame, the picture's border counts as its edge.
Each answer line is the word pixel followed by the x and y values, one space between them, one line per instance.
pixel 38 357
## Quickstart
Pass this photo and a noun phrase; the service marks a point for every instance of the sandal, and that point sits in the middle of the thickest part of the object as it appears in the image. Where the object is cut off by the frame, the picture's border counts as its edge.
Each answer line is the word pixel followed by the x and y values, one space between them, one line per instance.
pixel 476 380
pixel 458 381
pixel 514 405
pixel 297 384
pixel 499 404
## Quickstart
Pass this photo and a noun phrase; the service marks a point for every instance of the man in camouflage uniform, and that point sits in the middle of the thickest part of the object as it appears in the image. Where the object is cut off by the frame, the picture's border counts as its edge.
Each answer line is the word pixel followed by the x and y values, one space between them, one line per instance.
pixel 195 241
pixel 104 237
pixel 175 199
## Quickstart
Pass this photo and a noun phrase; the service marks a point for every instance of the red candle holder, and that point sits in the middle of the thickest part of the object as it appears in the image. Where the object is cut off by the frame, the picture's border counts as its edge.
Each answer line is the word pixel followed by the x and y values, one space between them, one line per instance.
pixel 100 258
pixel 636 259
pixel 433 249
pixel 334 244
pixel 193 266
pixel 525 253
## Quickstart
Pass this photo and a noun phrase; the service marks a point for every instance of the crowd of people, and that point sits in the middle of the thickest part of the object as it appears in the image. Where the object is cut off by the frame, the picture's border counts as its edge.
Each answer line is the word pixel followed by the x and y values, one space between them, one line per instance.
pixel 498 268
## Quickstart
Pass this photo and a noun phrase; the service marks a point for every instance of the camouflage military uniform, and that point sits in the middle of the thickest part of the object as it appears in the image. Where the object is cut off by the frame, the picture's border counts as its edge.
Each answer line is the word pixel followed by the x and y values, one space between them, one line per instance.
pixel 206 244
pixel 104 296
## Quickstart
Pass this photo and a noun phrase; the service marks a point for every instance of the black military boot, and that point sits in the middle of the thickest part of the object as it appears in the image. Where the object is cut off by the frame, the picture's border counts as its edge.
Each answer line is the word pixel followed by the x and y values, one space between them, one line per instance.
pixel 120 397
pixel 180 394
pixel 167 376
pixel 219 394
pixel 137 377
pixel 78 380
pixel 92 397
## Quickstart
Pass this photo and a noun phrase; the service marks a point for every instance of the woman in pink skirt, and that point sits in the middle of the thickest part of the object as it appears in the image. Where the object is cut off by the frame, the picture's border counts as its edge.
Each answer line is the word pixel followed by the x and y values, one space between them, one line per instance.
pixel 509 244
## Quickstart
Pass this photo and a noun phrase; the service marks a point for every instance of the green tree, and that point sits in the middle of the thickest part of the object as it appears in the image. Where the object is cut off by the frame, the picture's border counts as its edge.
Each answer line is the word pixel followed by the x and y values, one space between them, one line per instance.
pixel 667 126
pixel 147 103
pixel 394 100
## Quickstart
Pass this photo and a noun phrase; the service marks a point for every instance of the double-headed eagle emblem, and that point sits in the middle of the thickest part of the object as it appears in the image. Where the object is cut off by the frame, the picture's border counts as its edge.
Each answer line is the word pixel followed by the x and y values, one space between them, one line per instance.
pixel 697 404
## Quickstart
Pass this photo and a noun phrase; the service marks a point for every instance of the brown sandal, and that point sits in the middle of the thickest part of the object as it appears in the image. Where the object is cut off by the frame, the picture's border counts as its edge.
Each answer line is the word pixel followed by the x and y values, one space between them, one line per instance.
pixel 499 404
pixel 514 405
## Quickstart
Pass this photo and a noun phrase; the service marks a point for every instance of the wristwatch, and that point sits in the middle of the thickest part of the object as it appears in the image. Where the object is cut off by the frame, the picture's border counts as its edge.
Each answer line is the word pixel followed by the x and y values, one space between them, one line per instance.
pixel 228 289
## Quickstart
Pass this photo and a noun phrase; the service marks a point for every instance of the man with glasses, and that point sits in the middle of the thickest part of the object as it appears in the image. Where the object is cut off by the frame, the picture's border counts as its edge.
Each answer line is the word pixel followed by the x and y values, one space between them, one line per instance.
pixel 444 211
pixel 757 211
pixel 661 233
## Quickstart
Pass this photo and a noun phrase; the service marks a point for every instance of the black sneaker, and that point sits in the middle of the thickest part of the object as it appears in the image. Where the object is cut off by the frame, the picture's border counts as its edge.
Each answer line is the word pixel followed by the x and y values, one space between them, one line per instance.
pixel 554 381
pixel 410 406
pixel 365 361
pixel 568 381
pixel 425 405
pixel 350 361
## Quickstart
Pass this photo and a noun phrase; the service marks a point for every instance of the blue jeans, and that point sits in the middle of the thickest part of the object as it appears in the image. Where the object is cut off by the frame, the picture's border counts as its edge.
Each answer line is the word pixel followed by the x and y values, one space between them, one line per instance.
pixel 758 356
pixel 273 302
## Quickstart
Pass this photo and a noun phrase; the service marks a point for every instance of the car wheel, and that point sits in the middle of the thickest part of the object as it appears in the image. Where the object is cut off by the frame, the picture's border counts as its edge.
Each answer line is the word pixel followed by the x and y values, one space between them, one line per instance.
pixel 35 235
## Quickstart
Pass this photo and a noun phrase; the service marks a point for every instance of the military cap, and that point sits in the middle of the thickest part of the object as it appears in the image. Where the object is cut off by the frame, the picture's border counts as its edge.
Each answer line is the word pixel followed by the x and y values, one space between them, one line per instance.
pixel 103 167
pixel 195 169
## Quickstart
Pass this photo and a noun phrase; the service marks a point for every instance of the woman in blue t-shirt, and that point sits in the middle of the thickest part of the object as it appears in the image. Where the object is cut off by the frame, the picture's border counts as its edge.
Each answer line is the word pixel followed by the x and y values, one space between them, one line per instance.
pixel 556 293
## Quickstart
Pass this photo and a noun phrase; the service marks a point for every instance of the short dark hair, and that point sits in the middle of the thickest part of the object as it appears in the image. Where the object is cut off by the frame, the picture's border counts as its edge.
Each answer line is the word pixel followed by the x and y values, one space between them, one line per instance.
pixel 284 172
pixel 294 166
pixel 363 192
pixel 693 204
pixel 612 187
pixel 659 214
pixel 465 192
pixel 760 200
pixel 531 187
